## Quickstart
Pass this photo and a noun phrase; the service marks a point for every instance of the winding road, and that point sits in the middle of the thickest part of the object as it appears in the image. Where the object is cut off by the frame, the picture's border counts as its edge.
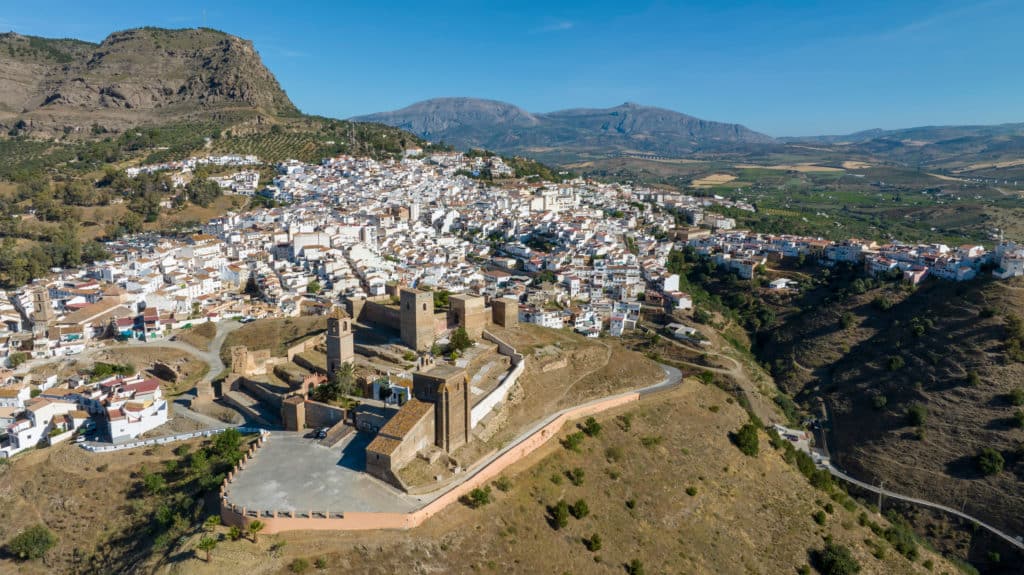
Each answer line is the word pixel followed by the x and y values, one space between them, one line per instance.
pixel 1017 542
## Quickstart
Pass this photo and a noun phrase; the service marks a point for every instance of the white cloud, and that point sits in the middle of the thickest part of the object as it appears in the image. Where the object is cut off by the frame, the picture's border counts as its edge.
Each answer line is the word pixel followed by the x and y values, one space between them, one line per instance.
pixel 554 27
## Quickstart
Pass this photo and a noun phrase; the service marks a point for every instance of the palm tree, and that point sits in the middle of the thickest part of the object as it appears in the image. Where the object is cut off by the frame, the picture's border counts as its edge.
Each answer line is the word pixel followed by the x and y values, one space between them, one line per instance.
pixel 207 544
pixel 255 527
pixel 211 522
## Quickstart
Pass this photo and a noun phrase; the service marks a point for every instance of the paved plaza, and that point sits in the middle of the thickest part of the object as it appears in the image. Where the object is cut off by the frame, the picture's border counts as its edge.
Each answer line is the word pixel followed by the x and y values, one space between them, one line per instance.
pixel 294 473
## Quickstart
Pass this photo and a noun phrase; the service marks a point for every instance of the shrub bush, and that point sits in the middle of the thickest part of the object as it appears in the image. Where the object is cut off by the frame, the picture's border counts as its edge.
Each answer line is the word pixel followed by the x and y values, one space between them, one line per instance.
pixel 32 543
pixel 573 441
pixel 591 427
pixel 560 515
pixel 594 543
pixel 917 414
pixel 1017 396
pixel 503 484
pixel 580 509
pixel 990 461
pixel 478 497
pixel 576 476
pixel 650 441
pixel 299 565
pixel 746 439
pixel 836 559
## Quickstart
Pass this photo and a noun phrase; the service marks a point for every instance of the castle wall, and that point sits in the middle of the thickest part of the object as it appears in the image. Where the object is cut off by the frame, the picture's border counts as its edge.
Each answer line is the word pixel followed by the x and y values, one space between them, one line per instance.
pixel 322 415
pixel 340 520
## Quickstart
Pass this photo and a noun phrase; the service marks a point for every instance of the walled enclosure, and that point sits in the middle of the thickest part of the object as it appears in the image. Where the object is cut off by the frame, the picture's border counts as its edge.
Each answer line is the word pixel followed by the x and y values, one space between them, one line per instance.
pixel 329 520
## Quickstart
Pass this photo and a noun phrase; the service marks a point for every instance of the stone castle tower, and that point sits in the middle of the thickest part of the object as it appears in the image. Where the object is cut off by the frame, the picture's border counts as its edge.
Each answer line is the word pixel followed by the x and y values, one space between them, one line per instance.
pixel 417 318
pixel 340 341
pixel 469 312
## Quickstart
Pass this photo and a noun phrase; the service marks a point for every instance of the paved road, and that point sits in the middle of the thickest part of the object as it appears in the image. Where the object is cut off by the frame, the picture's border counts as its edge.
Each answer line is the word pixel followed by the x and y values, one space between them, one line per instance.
pixel 1016 542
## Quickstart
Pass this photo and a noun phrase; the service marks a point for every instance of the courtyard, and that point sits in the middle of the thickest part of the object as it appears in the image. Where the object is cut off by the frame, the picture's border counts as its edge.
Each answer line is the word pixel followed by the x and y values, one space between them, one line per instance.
pixel 295 473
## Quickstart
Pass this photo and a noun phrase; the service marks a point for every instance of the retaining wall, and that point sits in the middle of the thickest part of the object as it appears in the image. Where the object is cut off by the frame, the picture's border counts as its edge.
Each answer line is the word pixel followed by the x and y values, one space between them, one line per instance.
pixel 500 393
pixel 162 440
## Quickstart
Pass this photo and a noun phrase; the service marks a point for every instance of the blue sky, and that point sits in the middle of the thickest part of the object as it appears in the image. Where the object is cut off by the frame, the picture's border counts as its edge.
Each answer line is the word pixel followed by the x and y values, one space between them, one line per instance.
pixel 782 67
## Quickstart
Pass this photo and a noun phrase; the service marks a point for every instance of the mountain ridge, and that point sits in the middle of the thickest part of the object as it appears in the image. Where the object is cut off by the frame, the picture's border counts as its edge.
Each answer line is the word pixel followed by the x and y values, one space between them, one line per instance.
pixel 627 128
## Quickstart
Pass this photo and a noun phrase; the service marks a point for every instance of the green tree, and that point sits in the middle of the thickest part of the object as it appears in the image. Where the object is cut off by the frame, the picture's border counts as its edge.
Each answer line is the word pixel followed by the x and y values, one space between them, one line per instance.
pixel 836 559
pixel 594 543
pixel 254 528
pixel 560 515
pixel 990 461
pixel 227 444
pixel 917 414
pixel 211 522
pixel 573 441
pixel 154 483
pixel 746 439
pixel 1017 396
pixel 460 340
pixel 340 385
pixel 17 358
pixel 478 497
pixel 441 299
pixel 32 543
pixel 635 567
pixel 207 545
pixel 313 287
pixel 591 427
pixel 580 509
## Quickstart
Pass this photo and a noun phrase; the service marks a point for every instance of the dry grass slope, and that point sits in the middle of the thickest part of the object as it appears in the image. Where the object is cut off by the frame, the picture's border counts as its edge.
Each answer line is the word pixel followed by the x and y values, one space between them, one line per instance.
pixel 747 515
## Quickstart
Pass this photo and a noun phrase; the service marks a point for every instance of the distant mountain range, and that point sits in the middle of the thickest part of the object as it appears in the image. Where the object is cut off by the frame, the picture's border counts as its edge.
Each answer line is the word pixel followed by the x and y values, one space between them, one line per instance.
pixel 920 134
pixel 626 129
pixel 145 75
pixel 634 130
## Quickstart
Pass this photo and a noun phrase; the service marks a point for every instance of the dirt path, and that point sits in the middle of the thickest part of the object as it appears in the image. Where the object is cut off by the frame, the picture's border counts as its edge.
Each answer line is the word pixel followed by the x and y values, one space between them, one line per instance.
pixel 765 410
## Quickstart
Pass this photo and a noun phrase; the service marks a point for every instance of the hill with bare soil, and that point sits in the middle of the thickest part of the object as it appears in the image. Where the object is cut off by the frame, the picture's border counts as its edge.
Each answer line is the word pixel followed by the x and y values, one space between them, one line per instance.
pixel 918 383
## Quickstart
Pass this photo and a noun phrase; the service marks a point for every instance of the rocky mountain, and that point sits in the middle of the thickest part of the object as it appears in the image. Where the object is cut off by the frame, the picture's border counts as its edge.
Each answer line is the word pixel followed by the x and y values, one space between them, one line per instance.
pixel 628 129
pixel 132 77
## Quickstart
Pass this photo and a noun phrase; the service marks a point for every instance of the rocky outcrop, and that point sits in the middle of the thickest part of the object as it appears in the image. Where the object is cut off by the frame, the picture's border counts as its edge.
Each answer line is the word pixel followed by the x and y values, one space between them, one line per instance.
pixel 132 77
